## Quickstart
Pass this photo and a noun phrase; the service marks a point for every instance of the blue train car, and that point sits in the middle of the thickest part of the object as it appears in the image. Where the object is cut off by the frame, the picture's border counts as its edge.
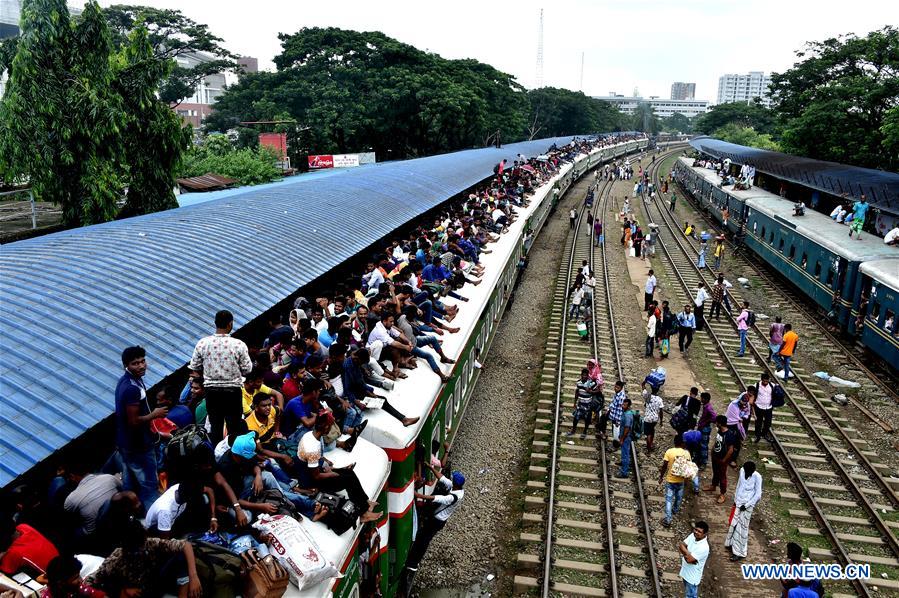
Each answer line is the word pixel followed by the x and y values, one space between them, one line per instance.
pixel 875 318
pixel 703 184
pixel 813 251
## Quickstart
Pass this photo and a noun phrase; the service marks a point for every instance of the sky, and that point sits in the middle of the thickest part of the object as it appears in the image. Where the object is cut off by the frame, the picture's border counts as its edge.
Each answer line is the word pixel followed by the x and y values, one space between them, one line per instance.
pixel 645 45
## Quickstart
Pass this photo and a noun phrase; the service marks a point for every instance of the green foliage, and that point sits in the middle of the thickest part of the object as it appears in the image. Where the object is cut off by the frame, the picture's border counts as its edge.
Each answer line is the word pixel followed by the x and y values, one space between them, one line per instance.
pixel 355 91
pixel 748 136
pixel 677 123
pixel 171 34
pixel 217 155
pixel 81 120
pixel 890 132
pixel 742 114
pixel 644 119
pixel 837 102
pixel 557 112
pixel 62 118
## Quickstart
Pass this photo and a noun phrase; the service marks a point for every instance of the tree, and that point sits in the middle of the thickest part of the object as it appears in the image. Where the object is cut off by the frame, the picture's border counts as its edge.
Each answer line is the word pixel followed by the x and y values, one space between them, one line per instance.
pixel 890 131
pixel 747 136
pixel 557 112
pixel 61 115
pixel 154 138
pixel 645 119
pixel 752 114
pixel 677 123
pixel 834 103
pixel 170 35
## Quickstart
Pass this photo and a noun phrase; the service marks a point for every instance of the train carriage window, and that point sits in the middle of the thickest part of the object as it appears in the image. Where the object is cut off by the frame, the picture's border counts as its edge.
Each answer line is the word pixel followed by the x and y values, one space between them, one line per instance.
pixel 792 251
pixel 889 322
pixel 763 231
pixel 804 261
pixel 830 276
pixel 780 245
pixel 817 269
pixel 875 310
pixel 457 396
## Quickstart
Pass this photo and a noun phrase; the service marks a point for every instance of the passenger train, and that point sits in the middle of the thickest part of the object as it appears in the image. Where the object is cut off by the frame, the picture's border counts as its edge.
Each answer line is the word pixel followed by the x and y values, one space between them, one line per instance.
pixel 856 281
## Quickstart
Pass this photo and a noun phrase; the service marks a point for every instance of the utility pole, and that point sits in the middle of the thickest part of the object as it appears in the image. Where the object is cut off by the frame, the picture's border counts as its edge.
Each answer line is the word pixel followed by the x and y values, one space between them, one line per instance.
pixel 581 86
pixel 540 52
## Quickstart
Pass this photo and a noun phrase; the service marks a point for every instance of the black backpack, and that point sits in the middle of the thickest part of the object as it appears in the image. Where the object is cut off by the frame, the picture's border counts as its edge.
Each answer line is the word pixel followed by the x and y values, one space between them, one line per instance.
pixel 680 420
pixel 342 513
pixel 750 319
pixel 186 449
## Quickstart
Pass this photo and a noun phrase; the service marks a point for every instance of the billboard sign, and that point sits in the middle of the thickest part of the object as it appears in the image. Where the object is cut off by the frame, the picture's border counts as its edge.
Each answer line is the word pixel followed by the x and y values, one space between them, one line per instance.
pixel 321 161
pixel 346 160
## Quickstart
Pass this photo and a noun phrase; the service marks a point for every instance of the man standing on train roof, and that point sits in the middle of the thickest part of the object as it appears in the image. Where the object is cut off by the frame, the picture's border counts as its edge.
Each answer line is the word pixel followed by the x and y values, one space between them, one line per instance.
pixel 134 439
pixel 222 360
pixel 858 220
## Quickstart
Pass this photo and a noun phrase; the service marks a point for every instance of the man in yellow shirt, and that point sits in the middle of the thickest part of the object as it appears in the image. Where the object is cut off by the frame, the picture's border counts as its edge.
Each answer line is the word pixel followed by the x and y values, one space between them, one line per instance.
pixel 264 419
pixel 252 385
pixel 674 485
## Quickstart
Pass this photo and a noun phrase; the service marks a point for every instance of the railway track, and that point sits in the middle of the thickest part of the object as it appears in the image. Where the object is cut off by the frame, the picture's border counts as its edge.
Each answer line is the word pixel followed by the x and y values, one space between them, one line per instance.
pixel 584 532
pixel 815 459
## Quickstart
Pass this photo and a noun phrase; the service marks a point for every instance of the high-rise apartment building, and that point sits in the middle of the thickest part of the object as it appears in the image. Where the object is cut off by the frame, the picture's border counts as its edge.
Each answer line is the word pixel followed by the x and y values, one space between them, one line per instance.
pixel 744 88
pixel 683 91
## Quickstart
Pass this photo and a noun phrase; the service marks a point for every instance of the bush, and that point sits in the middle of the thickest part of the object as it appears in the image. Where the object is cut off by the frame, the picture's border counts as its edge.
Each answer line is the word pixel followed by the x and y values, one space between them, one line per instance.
pixel 218 156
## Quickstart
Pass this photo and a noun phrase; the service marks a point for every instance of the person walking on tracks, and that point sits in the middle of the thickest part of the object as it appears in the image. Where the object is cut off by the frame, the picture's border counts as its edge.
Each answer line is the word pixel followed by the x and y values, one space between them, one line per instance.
pixel 626 438
pixel 586 394
pixel 572 218
pixel 764 407
pixel 673 461
pixel 787 349
pixel 718 293
pixel 744 321
pixel 775 338
pixel 699 300
pixel 719 253
pixel 726 441
pixel 649 289
pixel 686 326
pixel 597 232
pixel 748 494
pixel 222 360
pixel 651 325
pixel 673 201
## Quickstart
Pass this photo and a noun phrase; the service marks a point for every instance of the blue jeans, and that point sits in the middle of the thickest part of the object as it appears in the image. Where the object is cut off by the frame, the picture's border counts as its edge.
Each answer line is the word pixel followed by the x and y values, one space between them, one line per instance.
pixel 139 475
pixel 353 418
pixel 784 362
pixel 427 357
pixel 704 445
pixel 690 590
pixel 625 456
pixel 304 504
pixel 742 342
pixel 674 494
pixel 575 311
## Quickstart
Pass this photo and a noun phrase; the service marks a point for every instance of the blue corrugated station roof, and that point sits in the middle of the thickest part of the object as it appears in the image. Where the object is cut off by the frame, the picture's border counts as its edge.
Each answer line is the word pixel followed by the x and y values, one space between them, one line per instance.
pixel 72 300
pixel 881 188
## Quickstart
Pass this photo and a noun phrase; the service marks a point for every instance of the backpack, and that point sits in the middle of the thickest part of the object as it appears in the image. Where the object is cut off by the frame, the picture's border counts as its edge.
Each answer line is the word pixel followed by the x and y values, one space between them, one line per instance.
pixel 219 570
pixel 778 396
pixel 185 448
pixel 266 577
pixel 750 319
pixel 277 498
pixel 680 419
pixel 342 513
pixel 637 430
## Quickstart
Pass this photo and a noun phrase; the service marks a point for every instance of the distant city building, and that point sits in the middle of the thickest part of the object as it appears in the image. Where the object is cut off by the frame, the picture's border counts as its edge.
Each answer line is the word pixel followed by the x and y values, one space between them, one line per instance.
pixel 683 91
pixel 195 108
pixel 248 64
pixel 663 108
pixel 744 88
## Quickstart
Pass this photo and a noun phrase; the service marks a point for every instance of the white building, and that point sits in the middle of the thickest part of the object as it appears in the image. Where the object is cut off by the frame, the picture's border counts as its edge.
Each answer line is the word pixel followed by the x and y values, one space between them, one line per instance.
pixel 663 108
pixel 683 91
pixel 744 88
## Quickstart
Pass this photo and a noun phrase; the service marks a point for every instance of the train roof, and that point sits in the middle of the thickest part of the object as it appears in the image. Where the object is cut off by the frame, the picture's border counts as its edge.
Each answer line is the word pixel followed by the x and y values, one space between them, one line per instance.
pixel 821 229
pixel 880 187
pixel 71 301
pixel 417 394
pixel 372 468
pixel 814 225
pixel 884 270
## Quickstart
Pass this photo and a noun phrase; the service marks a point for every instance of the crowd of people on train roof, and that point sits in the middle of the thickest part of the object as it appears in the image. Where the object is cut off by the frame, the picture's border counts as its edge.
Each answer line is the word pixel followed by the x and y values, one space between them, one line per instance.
pixel 851 213
pixel 250 431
